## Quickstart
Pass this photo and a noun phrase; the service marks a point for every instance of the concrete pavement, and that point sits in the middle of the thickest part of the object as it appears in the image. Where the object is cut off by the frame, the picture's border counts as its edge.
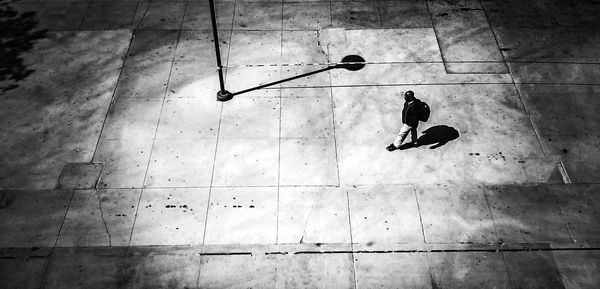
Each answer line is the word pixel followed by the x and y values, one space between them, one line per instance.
pixel 120 169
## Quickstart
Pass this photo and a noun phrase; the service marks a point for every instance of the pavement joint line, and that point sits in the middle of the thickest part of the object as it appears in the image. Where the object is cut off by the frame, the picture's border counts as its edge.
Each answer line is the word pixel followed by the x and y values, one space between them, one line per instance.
pixel 533 125
pixel 423 248
pixel 112 101
pixel 154 138
pixel 279 134
pixel 435 33
pixel 489 207
pixel 351 238
pixel 487 19
pixel 47 267
pixel 562 212
pixel 335 146
pixel 85 14
pixel 212 174
pixel 141 2
pixel 420 215
pixel 563 172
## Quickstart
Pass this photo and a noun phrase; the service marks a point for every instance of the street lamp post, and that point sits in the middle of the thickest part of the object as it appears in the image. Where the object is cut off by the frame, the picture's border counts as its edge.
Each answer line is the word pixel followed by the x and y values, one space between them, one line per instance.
pixel 222 95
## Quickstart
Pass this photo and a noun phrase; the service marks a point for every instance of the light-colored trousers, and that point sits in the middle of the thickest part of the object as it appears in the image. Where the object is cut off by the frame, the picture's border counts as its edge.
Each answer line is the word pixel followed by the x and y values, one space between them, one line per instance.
pixel 404 132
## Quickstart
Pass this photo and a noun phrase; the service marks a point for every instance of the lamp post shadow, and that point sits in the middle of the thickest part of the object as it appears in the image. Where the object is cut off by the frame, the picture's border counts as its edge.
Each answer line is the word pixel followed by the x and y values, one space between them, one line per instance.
pixel 349 62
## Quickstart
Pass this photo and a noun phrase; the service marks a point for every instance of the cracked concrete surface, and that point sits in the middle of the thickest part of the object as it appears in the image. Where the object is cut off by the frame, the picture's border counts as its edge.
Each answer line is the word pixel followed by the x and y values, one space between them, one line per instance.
pixel 118 169
pixel 103 220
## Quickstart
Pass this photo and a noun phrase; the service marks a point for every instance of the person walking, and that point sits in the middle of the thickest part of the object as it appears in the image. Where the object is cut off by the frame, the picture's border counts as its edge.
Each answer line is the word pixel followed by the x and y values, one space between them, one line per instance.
pixel 410 121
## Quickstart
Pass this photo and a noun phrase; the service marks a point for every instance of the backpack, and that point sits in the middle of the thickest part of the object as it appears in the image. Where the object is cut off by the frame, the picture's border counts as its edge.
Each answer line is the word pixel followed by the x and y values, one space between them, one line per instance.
pixel 424 111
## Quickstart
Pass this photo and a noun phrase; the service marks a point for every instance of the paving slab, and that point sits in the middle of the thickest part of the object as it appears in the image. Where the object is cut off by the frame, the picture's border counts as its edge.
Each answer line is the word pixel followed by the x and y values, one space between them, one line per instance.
pixel 181 163
pixel 250 118
pixel 469 270
pixel 149 47
pixel 255 48
pixel 306 16
pixel 237 271
pixel 315 271
pixel 579 148
pixel 455 215
pixel 109 16
pixel 578 268
pixel 307 117
pixel 32 218
pixel 161 15
pixel 567 110
pixel 355 15
pixel 534 13
pixel 144 80
pixel 308 162
pixel 62 16
pixel 533 269
pixel 579 205
pixel 189 118
pixel 584 172
pixel 246 162
pixel 199 46
pixel 192 79
pixel 258 205
pixel 132 118
pixel 125 162
pixel 302 47
pixel 161 268
pixel 305 92
pixel 185 210
pixel 313 215
pixel 23 268
pixel 85 267
pixel 197 15
pixel 79 176
pixel 464 34
pixel 550 44
pixel 257 16
pixel 527 214
pixel 384 214
pixel 396 270
pixel 555 73
pixel 404 14
pixel 393 45
pixel 99 218
pixel 33 8
pixel 243 78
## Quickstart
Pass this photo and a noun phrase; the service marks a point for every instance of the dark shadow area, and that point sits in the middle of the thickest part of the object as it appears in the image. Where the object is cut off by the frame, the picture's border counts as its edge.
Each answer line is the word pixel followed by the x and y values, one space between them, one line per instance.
pixel 437 136
pixel 17 36
pixel 349 62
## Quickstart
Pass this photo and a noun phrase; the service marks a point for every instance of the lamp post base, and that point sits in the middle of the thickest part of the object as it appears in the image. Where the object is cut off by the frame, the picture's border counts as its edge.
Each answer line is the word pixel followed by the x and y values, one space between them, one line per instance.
pixel 224 95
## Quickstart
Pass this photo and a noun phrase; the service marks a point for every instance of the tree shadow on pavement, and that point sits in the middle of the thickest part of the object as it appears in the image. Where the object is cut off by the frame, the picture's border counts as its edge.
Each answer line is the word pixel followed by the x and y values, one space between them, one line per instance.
pixel 17 36
pixel 437 136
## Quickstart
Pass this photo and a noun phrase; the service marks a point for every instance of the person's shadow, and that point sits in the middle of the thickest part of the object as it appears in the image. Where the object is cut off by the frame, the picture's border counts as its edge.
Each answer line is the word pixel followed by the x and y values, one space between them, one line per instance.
pixel 437 136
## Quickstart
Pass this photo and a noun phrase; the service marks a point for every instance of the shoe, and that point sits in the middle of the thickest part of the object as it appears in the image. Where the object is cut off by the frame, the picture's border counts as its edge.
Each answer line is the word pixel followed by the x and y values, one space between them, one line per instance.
pixel 391 148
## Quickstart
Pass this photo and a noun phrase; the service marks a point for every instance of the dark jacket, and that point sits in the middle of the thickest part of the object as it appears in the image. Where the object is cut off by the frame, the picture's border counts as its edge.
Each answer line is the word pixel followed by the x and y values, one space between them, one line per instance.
pixel 410 113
